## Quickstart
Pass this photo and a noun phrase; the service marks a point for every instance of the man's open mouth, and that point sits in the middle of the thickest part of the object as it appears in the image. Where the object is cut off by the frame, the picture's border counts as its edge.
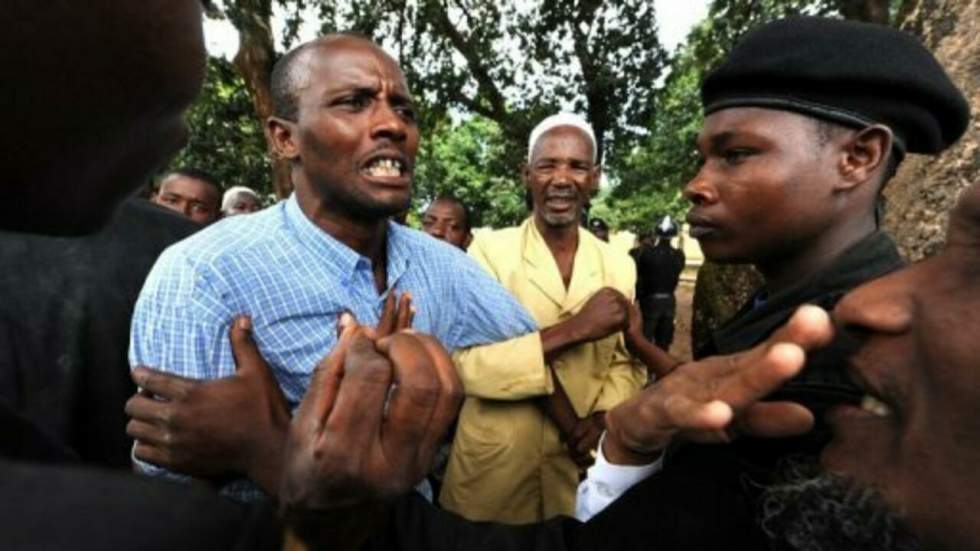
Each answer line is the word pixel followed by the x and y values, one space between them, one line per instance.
pixel 384 167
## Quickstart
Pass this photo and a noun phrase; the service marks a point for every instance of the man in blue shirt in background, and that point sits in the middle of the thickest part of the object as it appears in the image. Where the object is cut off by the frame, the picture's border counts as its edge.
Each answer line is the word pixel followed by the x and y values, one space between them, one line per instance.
pixel 345 120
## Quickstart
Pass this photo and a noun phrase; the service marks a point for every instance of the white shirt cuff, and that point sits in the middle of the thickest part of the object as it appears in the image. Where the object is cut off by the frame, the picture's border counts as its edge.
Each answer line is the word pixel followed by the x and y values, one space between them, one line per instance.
pixel 605 482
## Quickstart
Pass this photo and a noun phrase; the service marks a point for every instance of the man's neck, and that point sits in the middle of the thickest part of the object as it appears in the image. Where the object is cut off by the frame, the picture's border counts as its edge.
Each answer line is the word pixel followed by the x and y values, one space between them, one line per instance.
pixel 806 260
pixel 366 237
pixel 562 241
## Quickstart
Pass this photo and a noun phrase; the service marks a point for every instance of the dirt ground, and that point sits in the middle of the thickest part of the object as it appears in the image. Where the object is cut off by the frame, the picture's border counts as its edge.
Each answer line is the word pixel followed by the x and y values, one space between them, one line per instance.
pixel 681 347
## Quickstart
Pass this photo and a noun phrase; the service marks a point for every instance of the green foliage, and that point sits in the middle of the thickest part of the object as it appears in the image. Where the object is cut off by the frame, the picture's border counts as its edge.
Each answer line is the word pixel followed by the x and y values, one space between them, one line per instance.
pixel 467 159
pixel 496 69
pixel 516 62
pixel 226 138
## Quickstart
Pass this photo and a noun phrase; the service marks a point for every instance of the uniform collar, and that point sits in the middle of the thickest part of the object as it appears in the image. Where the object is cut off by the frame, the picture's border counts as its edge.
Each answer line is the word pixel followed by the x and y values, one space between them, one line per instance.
pixel 872 257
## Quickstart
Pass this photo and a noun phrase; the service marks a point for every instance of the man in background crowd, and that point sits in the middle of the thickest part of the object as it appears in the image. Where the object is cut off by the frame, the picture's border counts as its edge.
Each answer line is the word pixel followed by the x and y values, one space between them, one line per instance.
pixel 448 219
pixel 240 200
pixel 658 270
pixel 535 406
pixel 599 228
pixel 191 192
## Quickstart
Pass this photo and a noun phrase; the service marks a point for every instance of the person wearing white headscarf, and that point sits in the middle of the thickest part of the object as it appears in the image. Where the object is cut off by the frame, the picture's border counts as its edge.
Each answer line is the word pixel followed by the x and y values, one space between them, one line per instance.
pixel 240 200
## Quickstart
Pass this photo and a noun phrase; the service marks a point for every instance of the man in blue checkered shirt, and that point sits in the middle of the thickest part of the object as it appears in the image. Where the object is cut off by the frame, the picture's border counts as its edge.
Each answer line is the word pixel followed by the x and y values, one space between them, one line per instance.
pixel 345 120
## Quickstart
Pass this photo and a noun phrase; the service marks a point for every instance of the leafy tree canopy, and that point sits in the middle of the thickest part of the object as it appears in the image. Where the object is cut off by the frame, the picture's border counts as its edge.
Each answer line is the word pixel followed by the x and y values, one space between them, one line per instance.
pixel 485 72
pixel 226 138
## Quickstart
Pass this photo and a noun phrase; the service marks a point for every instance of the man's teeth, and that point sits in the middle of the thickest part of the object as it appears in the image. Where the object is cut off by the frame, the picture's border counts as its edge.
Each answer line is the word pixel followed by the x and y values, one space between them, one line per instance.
pixel 387 168
pixel 873 405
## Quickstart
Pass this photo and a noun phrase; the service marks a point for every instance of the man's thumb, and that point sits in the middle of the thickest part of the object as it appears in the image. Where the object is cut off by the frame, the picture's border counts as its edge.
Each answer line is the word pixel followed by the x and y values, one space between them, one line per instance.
pixel 243 348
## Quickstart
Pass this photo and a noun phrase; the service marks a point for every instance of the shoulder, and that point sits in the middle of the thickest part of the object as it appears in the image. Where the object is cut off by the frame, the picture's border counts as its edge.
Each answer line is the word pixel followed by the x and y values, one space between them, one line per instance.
pixel 504 239
pixel 228 244
pixel 421 246
pixel 235 236
pixel 612 257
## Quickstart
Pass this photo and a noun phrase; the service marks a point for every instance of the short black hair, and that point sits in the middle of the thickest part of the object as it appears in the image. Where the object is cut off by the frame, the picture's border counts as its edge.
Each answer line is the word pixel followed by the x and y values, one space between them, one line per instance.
pixel 282 84
pixel 450 198
pixel 283 81
pixel 196 174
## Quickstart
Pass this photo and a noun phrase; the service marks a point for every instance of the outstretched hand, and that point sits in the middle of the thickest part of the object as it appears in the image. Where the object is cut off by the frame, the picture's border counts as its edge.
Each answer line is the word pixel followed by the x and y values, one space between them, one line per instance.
pixel 713 399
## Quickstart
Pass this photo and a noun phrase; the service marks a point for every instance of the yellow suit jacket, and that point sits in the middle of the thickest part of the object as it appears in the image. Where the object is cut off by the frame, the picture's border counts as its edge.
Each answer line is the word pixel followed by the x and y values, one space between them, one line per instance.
pixel 507 462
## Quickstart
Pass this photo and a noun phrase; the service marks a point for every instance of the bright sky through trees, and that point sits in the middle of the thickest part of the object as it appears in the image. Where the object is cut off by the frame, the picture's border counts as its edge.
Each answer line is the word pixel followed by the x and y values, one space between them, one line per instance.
pixel 675 18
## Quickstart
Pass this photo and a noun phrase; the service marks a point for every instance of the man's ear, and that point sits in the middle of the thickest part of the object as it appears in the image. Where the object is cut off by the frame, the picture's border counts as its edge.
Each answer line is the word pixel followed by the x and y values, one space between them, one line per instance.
pixel 864 154
pixel 596 178
pixel 526 175
pixel 282 137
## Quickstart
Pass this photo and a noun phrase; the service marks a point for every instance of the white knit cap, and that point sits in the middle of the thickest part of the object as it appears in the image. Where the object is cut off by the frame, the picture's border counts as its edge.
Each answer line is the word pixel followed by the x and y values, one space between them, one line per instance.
pixel 229 195
pixel 561 119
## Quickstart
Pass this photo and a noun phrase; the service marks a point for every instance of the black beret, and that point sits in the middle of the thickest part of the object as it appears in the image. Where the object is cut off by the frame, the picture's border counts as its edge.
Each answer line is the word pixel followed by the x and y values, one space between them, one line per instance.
pixel 846 72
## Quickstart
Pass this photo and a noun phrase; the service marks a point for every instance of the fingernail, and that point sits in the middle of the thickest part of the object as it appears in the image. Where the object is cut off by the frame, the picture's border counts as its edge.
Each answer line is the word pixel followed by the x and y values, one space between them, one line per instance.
pixel 245 323
pixel 345 320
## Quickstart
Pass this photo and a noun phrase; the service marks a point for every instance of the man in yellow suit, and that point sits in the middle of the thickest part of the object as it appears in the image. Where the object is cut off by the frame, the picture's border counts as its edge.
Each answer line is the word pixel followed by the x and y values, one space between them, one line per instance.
pixel 535 405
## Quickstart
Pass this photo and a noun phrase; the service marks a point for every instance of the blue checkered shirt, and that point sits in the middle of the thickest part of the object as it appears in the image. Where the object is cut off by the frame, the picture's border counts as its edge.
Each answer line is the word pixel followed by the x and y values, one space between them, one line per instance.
pixel 294 280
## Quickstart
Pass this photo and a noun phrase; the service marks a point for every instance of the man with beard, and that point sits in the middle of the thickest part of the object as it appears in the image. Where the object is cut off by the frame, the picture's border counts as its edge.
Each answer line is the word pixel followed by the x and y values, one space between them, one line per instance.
pixel 902 461
pixel 345 121
pixel 521 436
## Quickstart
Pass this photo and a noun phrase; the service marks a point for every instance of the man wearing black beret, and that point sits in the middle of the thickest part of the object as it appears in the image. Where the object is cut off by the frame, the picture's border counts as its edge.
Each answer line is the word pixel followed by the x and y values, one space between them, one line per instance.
pixel 805 123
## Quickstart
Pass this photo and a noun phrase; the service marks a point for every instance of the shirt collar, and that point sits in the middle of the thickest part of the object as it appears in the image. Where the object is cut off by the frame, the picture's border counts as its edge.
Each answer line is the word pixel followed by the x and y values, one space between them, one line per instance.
pixel 398 252
pixel 341 258
pixel 324 247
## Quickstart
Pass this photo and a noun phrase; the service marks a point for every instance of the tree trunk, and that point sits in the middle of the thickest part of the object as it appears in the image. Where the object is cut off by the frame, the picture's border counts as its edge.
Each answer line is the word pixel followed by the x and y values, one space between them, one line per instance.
pixel 719 292
pixel 924 190
pixel 254 60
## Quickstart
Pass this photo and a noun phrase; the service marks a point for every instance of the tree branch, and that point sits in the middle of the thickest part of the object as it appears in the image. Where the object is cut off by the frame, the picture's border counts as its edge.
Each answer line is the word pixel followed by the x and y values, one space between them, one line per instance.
pixel 498 105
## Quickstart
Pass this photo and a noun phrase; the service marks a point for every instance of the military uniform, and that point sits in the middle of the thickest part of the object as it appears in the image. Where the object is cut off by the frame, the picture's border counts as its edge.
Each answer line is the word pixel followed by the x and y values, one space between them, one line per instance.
pixel 658 270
